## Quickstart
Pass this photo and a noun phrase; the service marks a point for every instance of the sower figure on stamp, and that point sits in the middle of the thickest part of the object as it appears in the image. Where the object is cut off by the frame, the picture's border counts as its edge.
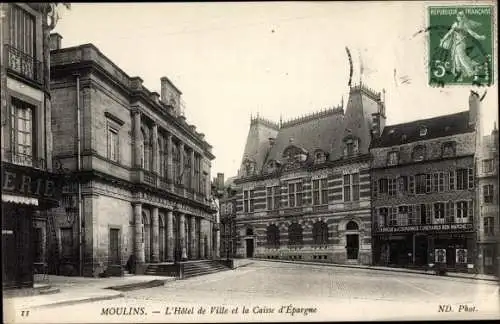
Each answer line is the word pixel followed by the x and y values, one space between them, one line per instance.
pixel 455 40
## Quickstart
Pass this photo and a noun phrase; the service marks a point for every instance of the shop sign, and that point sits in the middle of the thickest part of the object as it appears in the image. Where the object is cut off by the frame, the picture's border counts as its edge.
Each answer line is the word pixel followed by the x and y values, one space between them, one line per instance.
pixel 31 182
pixel 427 228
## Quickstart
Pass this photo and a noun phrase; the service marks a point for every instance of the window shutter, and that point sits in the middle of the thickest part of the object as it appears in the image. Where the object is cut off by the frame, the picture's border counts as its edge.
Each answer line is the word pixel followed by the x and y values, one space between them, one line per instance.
pixel 470 210
pixel 428 213
pixel 411 182
pixel 428 183
pixel 375 188
pixel 471 178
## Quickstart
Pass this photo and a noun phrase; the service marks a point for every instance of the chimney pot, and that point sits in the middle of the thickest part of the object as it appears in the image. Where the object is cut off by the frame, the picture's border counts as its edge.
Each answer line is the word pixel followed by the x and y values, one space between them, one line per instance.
pixel 163 92
pixel 55 41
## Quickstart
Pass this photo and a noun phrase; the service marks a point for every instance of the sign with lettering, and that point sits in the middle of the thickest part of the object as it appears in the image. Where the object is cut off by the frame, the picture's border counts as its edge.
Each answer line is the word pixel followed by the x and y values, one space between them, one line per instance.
pixel 31 182
pixel 466 227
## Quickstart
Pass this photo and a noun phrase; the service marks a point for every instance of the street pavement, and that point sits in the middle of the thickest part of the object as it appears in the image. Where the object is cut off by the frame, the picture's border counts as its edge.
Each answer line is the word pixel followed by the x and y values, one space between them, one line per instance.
pixel 271 291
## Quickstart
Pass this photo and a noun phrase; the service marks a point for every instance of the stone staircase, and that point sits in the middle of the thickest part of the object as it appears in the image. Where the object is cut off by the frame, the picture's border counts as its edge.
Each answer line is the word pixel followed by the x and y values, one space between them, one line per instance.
pixel 187 269
pixel 193 269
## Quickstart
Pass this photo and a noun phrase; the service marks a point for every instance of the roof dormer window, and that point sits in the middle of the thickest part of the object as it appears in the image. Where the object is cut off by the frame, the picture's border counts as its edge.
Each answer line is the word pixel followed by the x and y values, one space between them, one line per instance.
pixel 423 131
pixel 351 146
pixel 319 157
pixel 419 153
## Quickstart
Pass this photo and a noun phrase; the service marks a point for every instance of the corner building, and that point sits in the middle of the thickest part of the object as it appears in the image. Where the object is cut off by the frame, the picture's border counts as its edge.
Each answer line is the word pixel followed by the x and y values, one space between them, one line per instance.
pixel 304 187
pixel 29 187
pixel 423 176
pixel 143 172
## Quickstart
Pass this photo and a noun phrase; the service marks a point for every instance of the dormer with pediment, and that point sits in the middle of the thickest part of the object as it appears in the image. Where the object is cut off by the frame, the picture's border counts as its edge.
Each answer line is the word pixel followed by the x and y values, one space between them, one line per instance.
pixel 320 156
pixel 272 166
pixel 249 167
pixel 350 145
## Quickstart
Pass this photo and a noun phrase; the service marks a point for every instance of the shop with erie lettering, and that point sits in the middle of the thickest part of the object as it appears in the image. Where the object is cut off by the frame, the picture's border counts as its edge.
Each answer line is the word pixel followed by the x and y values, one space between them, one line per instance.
pixel 26 194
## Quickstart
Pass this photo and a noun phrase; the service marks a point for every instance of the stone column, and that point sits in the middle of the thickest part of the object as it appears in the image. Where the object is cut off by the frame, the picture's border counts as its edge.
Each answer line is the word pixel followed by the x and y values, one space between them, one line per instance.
pixel 182 233
pixel 139 238
pixel 193 237
pixel 169 161
pixel 137 138
pixel 155 167
pixel 155 228
pixel 170 236
pixel 202 246
pixel 192 186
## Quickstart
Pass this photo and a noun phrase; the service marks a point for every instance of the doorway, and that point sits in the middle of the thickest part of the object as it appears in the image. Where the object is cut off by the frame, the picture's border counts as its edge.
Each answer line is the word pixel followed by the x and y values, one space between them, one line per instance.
pixel 421 250
pixel 114 246
pixel 352 246
pixel 249 248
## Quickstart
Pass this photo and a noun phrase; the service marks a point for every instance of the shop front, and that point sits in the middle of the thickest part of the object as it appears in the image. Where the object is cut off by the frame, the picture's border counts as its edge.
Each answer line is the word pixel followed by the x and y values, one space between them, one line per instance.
pixel 421 246
pixel 26 193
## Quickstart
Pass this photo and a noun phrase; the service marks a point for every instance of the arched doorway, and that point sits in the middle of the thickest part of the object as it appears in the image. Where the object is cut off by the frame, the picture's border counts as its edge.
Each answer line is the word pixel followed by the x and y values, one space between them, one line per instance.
pixel 249 242
pixel 352 240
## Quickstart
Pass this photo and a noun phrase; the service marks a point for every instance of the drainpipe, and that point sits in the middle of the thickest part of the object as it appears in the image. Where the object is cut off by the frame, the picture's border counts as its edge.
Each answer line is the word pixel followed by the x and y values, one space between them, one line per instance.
pixel 78 168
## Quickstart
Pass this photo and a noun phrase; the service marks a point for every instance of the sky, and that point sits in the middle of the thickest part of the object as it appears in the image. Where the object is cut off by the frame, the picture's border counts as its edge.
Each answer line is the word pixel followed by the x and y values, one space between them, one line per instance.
pixel 234 60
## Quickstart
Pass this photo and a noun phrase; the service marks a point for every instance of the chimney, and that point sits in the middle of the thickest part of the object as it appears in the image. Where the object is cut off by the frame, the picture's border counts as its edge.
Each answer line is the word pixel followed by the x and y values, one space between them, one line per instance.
pixel 474 109
pixel 163 92
pixel 55 41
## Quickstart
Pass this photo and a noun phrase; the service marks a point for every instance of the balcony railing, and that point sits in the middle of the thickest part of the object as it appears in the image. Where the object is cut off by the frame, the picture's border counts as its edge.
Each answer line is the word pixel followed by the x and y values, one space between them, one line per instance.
pixel 150 178
pixel 23 159
pixel 164 184
pixel 24 64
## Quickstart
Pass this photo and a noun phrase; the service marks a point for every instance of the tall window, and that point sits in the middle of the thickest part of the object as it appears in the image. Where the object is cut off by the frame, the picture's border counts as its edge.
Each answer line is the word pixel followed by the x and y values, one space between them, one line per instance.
pixel 295 234
pixel 248 201
pixel 383 185
pixel 22 131
pixel 488 194
pixel 402 215
pixel 273 236
pixel 464 210
pixel 161 157
pixel 392 187
pixel 320 191
pixel 464 179
pixel 488 165
pixel 489 226
pixel 197 161
pixel 421 183
pixel 273 197
pixel 438 182
pixel 187 170
pixel 450 212
pixel 351 187
pixel 412 216
pixel 439 212
pixel 402 184
pixel 23 39
pixel 113 144
pixel 176 161
pixel 393 220
pixel 295 194
pixel 320 233
pixel 147 150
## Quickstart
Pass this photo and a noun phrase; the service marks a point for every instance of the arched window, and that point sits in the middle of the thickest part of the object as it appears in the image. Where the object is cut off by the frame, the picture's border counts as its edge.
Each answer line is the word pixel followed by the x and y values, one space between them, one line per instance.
pixel 320 233
pixel 187 169
pixel 176 163
pixel 161 157
pixel 249 232
pixel 273 236
pixel 295 236
pixel 352 226
pixel 147 149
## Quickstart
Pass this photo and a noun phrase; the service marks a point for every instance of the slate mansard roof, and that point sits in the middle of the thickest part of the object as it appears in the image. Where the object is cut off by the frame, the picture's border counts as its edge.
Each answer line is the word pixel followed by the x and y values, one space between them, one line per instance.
pixel 436 127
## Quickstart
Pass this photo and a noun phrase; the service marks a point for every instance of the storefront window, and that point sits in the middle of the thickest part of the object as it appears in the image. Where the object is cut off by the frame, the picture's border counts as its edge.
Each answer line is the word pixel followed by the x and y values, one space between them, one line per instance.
pixel 461 255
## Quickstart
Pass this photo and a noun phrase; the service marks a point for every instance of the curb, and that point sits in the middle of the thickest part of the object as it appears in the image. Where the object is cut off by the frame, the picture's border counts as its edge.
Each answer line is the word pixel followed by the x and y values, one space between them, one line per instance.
pixel 80 301
pixel 140 285
pixel 376 269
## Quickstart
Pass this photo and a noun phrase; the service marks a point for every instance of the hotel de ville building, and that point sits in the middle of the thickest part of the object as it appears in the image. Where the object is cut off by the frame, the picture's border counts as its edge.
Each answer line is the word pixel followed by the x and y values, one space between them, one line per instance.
pixel 304 184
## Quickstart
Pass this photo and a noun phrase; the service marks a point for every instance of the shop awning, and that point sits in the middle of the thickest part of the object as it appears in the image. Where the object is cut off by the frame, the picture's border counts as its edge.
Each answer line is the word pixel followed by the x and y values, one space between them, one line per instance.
pixel 19 200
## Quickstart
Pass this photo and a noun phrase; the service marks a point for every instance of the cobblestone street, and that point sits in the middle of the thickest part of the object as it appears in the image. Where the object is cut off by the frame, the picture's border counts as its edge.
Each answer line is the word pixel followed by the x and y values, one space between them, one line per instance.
pixel 335 293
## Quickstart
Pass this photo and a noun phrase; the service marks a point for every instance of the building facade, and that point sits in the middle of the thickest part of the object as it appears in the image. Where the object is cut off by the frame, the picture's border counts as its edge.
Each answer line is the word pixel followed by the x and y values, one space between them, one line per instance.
pixel 227 209
pixel 142 173
pixel 423 191
pixel 29 188
pixel 487 198
pixel 303 190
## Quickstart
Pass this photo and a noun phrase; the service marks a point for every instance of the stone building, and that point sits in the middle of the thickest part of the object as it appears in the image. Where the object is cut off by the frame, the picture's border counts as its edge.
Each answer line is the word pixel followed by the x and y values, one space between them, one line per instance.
pixel 227 208
pixel 423 192
pixel 143 172
pixel 29 187
pixel 304 186
pixel 487 198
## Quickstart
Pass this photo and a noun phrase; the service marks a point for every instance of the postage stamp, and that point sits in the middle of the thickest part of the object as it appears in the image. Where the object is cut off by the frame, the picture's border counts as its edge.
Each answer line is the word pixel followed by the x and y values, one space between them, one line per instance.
pixel 460 45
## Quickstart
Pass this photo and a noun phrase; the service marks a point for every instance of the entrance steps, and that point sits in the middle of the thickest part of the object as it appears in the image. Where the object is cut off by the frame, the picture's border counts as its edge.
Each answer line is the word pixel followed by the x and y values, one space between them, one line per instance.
pixel 185 269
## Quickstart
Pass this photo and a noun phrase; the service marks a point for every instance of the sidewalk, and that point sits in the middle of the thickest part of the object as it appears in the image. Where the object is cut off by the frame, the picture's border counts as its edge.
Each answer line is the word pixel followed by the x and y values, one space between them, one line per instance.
pixel 73 290
pixel 356 266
